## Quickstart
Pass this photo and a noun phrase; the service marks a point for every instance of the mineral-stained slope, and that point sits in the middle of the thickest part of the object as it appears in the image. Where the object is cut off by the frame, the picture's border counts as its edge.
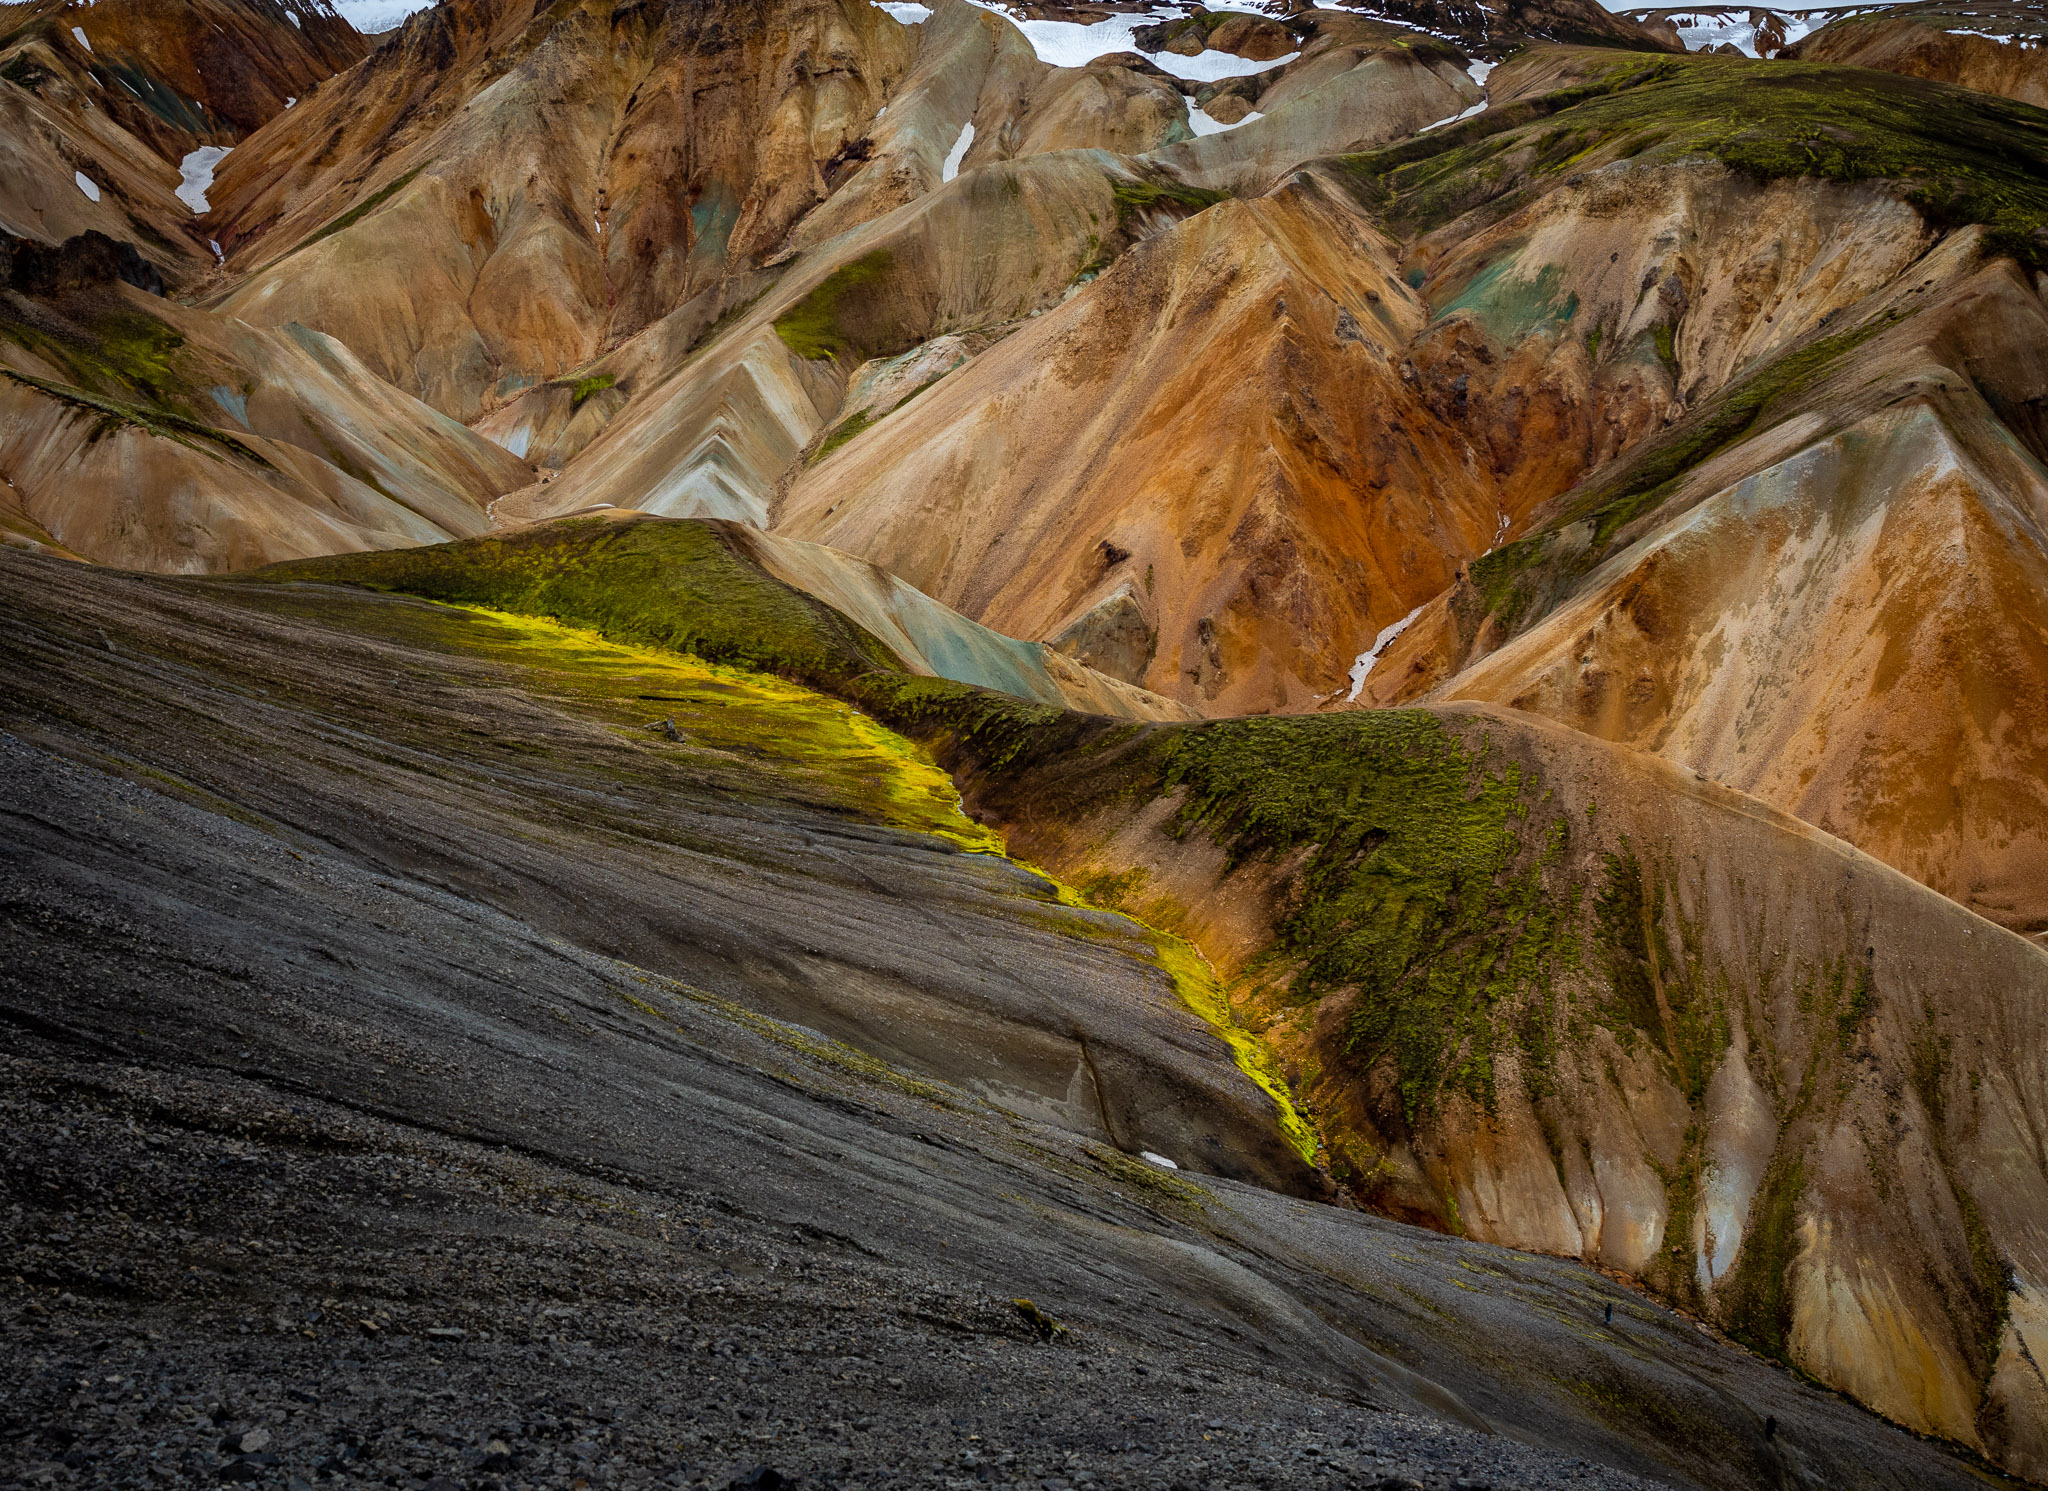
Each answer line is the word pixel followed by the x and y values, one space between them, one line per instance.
pixel 1574 999
pixel 485 1039
pixel 1822 581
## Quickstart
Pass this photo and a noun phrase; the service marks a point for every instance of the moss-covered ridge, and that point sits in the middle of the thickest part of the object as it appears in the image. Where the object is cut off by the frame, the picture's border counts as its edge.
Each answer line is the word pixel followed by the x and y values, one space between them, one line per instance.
pixel 1959 157
pixel 607 590
pixel 672 585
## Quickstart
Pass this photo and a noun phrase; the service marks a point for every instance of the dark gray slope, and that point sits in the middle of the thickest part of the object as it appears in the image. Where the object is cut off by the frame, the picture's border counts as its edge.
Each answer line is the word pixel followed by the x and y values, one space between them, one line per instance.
pixel 265 1080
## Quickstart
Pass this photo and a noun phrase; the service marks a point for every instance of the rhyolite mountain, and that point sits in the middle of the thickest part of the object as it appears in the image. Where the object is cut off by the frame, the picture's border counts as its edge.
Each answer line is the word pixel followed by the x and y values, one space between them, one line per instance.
pixel 1488 564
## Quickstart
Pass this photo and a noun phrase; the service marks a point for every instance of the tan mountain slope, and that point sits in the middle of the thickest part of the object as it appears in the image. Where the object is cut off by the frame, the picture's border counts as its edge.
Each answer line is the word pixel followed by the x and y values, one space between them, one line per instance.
pixel 1997 46
pixel 1296 445
pixel 498 192
pixel 144 433
pixel 1565 996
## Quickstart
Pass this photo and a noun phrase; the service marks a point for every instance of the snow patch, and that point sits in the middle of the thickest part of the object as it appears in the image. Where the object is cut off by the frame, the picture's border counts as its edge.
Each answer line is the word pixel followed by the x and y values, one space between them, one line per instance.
pixel 1202 124
pixel 1157 1159
pixel 958 153
pixel 1073 44
pixel 197 169
pixel 1478 108
pixel 294 20
pixel 79 32
pixel 1371 655
pixel 85 184
pixel 1479 71
pixel 909 12
pixel 289 102
pixel 372 16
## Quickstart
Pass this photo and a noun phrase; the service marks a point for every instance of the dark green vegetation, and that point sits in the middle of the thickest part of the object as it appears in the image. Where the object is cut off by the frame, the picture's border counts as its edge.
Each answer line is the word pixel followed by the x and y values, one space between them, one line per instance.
pixel 1136 198
pixel 584 388
pixel 844 431
pixel 1423 893
pixel 814 328
pixel 109 349
pixel 1431 892
pixel 1959 157
pixel 113 413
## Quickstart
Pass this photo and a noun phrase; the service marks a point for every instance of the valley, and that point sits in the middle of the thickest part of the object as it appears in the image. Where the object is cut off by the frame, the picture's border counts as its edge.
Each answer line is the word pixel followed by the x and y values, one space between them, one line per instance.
pixel 1057 744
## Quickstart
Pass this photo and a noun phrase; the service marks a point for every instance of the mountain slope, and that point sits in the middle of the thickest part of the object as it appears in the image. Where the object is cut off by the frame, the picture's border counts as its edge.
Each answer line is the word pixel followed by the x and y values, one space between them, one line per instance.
pixel 446 1004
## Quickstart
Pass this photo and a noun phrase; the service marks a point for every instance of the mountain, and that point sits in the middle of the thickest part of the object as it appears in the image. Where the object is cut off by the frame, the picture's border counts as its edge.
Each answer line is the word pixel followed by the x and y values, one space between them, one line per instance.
pixel 1316 689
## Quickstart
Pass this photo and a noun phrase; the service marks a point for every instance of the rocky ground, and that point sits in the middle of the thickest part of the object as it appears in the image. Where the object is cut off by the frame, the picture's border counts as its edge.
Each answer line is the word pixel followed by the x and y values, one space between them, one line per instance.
pixel 326 1163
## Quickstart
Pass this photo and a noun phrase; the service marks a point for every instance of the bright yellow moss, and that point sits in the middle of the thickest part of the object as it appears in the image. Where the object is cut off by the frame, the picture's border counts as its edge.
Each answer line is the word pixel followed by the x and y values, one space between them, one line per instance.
pixel 805 739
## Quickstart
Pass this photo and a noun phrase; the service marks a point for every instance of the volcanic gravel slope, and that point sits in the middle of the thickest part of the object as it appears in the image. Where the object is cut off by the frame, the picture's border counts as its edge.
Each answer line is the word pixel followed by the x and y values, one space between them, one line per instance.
pixel 339 1150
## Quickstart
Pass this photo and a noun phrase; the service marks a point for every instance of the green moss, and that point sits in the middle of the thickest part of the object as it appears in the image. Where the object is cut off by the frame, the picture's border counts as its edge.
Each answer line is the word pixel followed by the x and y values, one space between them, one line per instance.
pixel 1757 1295
pixel 842 432
pixel 650 583
pixel 813 328
pixel 110 414
pixel 1422 895
pixel 125 354
pixel 1667 354
pixel 1134 198
pixel 583 388
pixel 1195 982
pixel 1856 1009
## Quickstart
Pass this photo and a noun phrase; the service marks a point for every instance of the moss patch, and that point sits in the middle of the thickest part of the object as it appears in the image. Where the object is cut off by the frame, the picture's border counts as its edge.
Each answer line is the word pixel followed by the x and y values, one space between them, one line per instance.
pixel 675 585
pixel 814 328
pixel 583 388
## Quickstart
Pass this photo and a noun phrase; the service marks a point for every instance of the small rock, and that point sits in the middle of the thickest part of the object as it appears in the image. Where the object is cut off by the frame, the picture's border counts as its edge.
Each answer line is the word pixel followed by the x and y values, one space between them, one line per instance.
pixel 254 1442
pixel 447 1333
pixel 761 1478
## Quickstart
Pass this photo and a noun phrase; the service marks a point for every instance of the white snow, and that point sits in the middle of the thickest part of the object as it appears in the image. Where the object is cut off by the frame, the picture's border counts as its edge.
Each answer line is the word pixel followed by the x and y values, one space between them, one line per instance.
pixel 1072 44
pixel 79 32
pixel 957 154
pixel 1478 108
pixel 289 102
pixel 214 244
pixel 197 169
pixel 85 184
pixel 1212 66
pixel 2001 40
pixel 909 12
pixel 1705 29
pixel 1371 655
pixel 372 16
pixel 1479 71
pixel 1200 122
pixel 1157 1159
